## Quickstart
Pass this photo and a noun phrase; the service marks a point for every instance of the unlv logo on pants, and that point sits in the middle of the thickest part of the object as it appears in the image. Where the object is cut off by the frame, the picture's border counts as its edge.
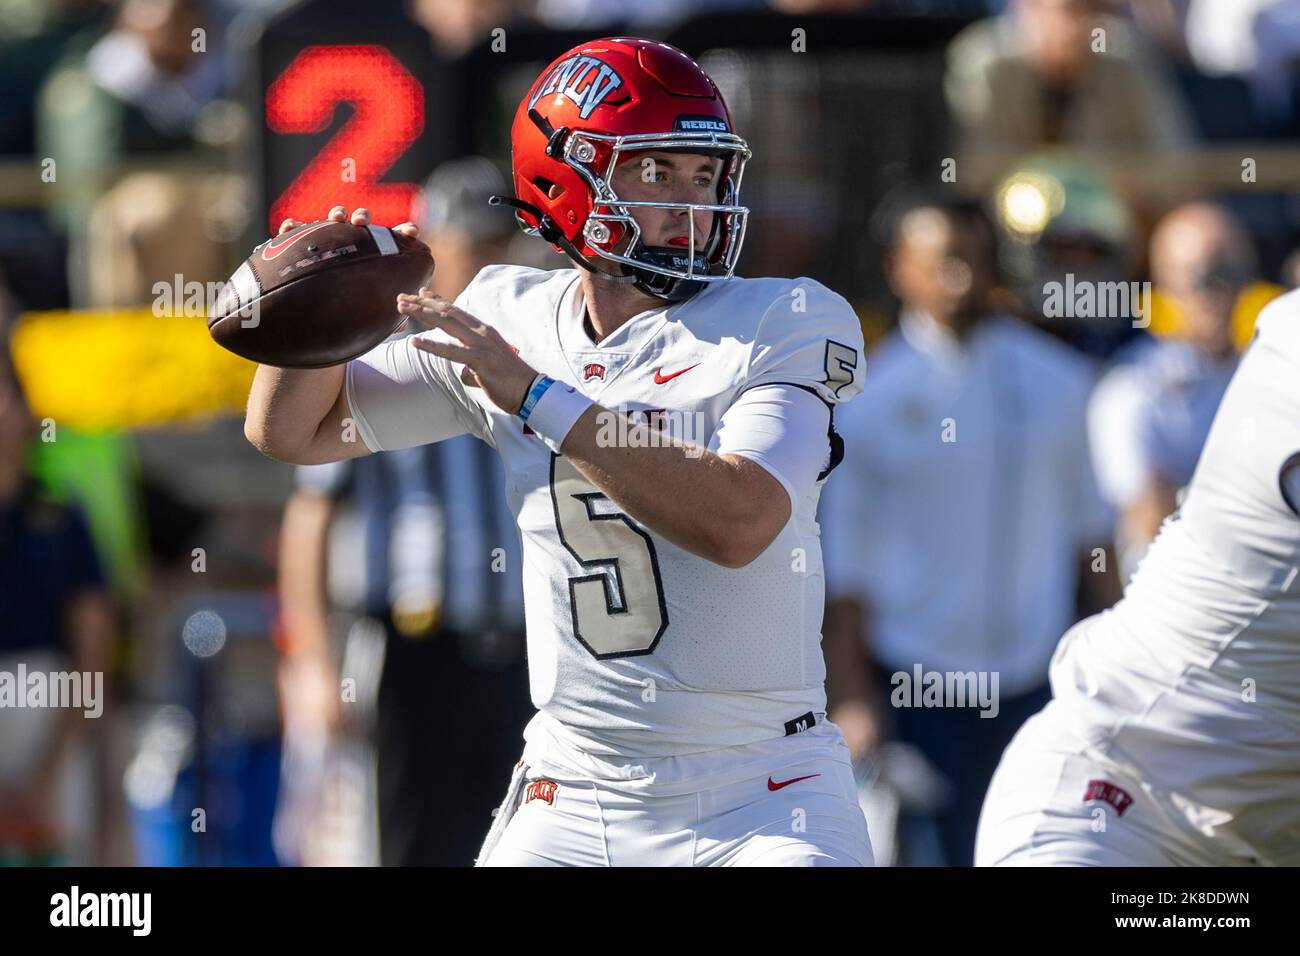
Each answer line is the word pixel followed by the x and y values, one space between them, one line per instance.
pixel 1106 791
pixel 541 790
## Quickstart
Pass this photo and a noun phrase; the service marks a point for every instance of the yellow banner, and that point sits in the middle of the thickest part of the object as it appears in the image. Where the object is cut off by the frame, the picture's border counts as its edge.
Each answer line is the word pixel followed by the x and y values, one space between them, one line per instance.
pixel 126 368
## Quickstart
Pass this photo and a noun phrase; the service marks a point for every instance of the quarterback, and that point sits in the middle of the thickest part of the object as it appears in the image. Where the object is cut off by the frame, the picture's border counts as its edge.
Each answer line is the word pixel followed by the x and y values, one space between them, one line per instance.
pixel 673 589
pixel 1173 735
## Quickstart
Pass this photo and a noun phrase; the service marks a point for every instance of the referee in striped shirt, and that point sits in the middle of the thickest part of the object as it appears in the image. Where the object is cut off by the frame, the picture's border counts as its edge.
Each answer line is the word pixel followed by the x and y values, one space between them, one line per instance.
pixel 420 544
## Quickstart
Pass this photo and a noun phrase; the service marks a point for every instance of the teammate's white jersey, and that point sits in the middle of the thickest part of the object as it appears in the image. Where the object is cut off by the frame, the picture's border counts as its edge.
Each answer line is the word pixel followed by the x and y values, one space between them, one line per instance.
pixel 1193 679
pixel 636 647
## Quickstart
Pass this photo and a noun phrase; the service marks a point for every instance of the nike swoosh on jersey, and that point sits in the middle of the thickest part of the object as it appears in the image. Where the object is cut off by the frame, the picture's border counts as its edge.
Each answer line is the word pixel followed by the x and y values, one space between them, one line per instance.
pixel 773 785
pixel 660 377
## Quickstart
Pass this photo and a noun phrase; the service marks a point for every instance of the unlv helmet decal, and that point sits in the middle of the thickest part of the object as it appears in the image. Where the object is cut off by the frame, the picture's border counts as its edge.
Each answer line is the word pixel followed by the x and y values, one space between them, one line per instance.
pixel 583 79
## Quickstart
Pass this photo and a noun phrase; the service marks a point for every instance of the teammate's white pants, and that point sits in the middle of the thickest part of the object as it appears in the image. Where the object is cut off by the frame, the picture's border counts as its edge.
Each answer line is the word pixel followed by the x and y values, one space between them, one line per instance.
pixel 1051 804
pixel 810 822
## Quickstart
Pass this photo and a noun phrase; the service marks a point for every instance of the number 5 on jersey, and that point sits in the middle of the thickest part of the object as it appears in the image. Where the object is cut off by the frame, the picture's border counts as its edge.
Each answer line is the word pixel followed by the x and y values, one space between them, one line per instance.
pixel 618 607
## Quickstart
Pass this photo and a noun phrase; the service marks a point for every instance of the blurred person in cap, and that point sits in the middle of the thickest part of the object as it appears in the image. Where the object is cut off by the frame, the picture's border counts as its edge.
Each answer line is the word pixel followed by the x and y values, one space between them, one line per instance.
pixel 461 230
pixel 442 585
pixel 1151 413
pixel 966 519
pixel 1070 252
pixel 56 616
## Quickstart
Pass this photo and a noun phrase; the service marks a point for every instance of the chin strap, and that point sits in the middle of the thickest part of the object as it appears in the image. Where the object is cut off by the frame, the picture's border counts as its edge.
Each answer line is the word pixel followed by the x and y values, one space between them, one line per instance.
pixel 670 288
pixel 549 231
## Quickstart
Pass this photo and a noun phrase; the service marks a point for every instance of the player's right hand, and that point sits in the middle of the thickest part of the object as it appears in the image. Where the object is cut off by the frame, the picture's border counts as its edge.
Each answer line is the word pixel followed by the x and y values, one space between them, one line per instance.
pixel 359 217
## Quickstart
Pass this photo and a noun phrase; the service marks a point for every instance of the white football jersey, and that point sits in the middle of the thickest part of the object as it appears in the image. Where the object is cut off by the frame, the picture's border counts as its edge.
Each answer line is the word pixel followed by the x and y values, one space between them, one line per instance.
pixel 636 647
pixel 1193 679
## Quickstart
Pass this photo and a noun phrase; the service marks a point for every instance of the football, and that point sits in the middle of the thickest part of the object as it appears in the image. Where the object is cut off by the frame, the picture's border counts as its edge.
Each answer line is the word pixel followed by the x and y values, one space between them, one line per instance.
pixel 318 295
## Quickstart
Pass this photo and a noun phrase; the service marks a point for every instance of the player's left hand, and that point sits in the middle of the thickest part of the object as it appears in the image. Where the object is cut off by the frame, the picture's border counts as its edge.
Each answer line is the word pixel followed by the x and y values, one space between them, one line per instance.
pixel 490 362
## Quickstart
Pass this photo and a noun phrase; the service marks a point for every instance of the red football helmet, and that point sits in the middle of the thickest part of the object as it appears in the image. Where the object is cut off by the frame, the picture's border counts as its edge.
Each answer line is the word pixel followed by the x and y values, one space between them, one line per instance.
pixel 591 107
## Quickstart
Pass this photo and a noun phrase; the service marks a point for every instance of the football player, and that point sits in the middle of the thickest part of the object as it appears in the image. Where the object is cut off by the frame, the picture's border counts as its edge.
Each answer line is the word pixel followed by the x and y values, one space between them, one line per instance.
pixel 1173 736
pixel 666 430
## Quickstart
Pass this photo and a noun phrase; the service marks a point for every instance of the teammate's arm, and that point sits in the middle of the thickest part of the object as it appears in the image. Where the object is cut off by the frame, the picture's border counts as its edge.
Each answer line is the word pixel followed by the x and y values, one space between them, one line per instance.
pixel 307 674
pixel 852 700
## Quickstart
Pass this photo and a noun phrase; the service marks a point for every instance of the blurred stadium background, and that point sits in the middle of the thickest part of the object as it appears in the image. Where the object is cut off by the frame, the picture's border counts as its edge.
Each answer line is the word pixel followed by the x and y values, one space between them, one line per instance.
pixel 147 145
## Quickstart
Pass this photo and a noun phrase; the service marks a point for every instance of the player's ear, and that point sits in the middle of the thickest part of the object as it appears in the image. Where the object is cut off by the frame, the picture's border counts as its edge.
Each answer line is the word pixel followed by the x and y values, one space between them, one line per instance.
pixel 554 192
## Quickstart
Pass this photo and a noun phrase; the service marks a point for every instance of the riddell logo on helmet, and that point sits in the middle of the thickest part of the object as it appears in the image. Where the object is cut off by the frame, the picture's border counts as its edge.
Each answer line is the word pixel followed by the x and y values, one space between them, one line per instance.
pixel 584 79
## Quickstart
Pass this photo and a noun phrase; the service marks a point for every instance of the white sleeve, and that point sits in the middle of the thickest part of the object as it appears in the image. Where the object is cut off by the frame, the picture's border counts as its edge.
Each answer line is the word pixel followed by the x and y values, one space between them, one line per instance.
pixel 809 336
pixel 1115 436
pixel 401 396
pixel 785 429
pixel 1094 517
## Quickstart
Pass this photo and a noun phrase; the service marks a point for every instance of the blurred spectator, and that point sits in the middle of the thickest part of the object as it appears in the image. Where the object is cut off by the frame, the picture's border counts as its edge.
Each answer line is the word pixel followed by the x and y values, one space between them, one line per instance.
pixel 1067 229
pixel 1255 40
pixel 462 231
pixel 1277 64
pixel 436 556
pixel 577 14
pixel 137 90
pixel 1038 75
pixel 55 616
pixel 1151 413
pixel 964 516
pixel 150 227
pixel 33 33
pixel 457 26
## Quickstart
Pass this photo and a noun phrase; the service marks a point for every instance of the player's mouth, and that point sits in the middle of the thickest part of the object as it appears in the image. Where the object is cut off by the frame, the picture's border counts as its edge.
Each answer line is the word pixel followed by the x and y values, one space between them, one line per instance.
pixel 680 242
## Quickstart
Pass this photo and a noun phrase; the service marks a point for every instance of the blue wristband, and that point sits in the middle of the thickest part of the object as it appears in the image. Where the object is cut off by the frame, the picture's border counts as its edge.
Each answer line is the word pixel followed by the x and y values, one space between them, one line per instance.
pixel 535 393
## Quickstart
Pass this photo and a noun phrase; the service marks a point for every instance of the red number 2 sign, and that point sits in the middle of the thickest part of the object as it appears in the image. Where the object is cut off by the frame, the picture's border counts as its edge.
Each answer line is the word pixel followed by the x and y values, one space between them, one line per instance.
pixel 389 116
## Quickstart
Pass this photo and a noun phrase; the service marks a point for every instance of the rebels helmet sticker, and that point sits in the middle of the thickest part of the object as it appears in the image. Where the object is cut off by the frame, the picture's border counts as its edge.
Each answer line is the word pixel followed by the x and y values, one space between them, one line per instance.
pixel 584 79
pixel 700 124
